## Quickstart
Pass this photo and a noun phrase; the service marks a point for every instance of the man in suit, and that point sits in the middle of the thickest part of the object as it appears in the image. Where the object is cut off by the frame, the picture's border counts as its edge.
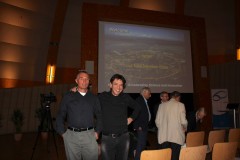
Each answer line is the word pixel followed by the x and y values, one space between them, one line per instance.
pixel 194 119
pixel 172 124
pixel 140 124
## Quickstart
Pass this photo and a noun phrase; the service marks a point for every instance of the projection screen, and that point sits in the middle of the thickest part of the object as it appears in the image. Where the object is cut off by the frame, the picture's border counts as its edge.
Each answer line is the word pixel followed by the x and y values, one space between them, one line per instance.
pixel 152 56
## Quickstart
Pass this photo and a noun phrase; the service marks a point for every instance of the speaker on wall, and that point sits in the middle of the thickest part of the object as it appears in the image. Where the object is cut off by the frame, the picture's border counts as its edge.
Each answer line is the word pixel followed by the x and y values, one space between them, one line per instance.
pixel 89 67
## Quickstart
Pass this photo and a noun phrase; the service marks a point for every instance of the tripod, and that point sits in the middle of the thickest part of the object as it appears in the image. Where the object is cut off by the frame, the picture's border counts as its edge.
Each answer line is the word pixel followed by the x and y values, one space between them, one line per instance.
pixel 46 118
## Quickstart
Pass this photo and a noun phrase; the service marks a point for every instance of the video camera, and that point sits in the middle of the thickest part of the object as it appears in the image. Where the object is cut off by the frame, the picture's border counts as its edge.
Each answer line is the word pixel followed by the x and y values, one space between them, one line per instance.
pixel 47 99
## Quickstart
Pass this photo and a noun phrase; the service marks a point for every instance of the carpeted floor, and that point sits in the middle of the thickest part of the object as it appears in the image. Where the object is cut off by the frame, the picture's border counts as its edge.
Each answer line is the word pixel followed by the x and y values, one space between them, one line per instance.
pixel 23 149
pixel 45 148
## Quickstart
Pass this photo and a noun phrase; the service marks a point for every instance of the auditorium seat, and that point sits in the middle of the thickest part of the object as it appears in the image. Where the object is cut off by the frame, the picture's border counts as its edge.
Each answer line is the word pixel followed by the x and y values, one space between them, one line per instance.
pixel 195 139
pixel 224 151
pixel 162 154
pixel 215 136
pixel 193 153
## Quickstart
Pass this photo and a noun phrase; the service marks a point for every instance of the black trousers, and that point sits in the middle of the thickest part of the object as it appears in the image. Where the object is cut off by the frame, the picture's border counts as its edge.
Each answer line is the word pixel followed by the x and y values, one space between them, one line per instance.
pixel 141 143
pixel 175 149
pixel 115 148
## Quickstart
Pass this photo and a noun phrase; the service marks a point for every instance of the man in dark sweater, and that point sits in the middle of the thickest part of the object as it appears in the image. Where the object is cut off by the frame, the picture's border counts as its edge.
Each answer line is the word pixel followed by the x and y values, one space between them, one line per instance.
pixel 78 109
pixel 115 103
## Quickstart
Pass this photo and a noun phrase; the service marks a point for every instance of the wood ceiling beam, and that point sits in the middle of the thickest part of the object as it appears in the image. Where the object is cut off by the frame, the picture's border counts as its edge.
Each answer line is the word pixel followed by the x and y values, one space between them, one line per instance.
pixel 57 27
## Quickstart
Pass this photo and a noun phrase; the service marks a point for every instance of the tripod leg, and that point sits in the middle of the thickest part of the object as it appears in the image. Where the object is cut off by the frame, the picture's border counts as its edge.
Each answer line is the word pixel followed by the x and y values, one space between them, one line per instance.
pixel 48 140
pixel 53 133
pixel 37 138
pixel 35 145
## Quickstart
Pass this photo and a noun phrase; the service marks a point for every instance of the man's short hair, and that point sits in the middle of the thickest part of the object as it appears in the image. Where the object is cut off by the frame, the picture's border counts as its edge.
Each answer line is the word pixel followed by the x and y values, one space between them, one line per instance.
pixel 118 76
pixel 202 109
pixel 145 89
pixel 162 93
pixel 175 94
pixel 81 71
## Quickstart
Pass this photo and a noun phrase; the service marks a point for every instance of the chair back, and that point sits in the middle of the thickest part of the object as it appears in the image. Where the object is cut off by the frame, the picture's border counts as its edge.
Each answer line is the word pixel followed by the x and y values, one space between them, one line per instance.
pixel 162 154
pixel 234 135
pixel 193 153
pixel 195 139
pixel 216 136
pixel 224 151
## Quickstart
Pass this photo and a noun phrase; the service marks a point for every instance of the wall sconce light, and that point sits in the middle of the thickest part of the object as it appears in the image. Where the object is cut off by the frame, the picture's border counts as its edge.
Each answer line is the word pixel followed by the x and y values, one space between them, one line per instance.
pixel 50 74
pixel 238 54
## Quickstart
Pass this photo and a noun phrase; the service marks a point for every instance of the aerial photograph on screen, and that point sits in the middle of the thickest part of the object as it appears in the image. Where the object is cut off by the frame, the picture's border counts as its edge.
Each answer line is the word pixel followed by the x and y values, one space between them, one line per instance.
pixel 146 56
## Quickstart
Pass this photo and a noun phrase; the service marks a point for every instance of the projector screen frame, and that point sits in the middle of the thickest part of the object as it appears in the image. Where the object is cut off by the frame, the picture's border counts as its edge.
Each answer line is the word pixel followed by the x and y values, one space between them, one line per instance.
pixel 93 13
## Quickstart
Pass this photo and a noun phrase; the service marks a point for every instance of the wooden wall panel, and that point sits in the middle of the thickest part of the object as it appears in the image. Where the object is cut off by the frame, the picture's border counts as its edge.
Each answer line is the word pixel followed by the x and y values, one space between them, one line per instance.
pixel 5 110
pixel 28 100
pixel 27 108
pixel 226 76
pixel 24 40
pixel 237 17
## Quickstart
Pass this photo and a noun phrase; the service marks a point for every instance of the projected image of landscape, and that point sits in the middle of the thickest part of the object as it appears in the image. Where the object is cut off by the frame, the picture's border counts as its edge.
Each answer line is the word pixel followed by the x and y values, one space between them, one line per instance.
pixel 159 58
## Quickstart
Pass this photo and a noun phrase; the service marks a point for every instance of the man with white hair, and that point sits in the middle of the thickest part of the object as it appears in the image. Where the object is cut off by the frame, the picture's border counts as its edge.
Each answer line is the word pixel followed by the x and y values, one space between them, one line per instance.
pixel 195 118
pixel 140 124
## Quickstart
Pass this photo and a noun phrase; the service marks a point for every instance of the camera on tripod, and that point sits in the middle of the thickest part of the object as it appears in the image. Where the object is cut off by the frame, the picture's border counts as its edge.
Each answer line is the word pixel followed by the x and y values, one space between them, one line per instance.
pixel 44 114
pixel 47 99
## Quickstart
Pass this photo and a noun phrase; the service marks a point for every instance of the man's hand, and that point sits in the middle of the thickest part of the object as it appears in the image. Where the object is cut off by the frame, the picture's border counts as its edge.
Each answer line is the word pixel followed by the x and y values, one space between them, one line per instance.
pixel 184 129
pixel 129 120
pixel 74 89
pixel 96 135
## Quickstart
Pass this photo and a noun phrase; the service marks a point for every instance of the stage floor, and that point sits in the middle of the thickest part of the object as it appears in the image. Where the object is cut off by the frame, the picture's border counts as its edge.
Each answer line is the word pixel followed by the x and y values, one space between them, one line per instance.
pixel 45 149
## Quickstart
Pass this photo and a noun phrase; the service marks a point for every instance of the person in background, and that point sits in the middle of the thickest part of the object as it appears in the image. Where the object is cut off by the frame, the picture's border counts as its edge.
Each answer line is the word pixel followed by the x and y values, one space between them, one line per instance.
pixel 78 109
pixel 195 118
pixel 162 98
pixel 115 137
pixel 172 123
pixel 140 124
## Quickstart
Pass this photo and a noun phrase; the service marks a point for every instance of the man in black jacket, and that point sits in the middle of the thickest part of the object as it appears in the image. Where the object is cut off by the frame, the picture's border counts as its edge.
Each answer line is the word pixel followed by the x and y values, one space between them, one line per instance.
pixel 115 103
pixel 140 124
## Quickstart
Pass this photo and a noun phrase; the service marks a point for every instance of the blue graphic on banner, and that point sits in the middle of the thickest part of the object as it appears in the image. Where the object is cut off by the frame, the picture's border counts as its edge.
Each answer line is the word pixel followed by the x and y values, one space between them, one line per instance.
pixel 225 120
